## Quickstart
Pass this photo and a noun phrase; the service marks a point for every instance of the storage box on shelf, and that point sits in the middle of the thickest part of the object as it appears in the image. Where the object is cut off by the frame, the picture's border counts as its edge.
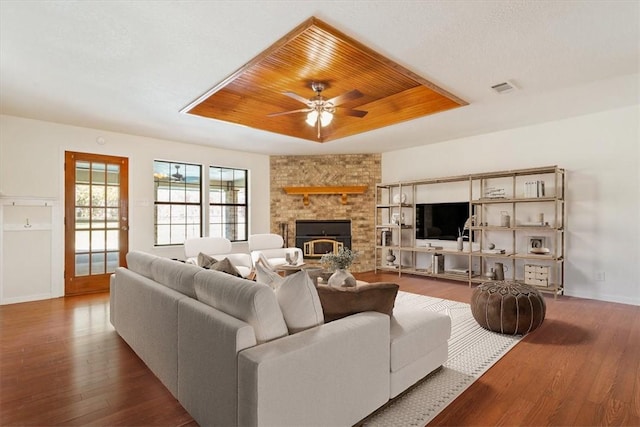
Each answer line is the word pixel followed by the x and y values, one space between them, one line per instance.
pixel 536 275
pixel 517 218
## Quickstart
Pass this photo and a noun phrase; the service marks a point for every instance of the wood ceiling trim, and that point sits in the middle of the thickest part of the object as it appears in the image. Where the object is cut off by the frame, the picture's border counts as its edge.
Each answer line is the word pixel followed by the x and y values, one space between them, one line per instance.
pixel 315 51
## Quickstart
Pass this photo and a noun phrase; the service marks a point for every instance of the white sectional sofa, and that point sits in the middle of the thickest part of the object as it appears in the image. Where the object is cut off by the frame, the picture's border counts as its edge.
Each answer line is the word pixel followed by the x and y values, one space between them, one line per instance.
pixel 230 360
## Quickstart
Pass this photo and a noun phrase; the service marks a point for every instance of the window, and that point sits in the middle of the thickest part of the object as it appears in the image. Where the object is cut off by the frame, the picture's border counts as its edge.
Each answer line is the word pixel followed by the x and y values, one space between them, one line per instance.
pixel 228 203
pixel 178 202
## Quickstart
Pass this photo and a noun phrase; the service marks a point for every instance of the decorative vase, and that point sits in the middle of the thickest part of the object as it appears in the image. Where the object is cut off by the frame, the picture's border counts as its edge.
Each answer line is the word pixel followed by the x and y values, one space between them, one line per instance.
pixel 460 243
pixel 341 277
pixel 390 258
pixel 399 198
pixel 397 218
pixel 505 219
pixel 490 274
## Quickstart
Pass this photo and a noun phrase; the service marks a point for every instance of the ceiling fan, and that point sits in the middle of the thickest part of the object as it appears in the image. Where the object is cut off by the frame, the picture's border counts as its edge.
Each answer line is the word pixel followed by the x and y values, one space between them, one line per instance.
pixel 321 110
pixel 177 176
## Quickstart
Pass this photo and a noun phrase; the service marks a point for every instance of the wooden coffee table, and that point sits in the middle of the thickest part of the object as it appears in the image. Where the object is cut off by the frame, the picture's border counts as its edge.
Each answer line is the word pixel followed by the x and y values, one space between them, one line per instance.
pixel 287 269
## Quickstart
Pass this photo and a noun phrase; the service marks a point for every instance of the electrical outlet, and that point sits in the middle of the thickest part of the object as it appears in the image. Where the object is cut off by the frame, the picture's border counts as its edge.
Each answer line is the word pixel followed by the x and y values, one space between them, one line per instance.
pixel 600 276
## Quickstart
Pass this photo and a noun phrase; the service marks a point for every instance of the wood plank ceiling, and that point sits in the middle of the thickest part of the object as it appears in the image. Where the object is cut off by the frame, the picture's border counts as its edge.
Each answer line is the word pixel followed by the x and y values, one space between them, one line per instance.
pixel 317 52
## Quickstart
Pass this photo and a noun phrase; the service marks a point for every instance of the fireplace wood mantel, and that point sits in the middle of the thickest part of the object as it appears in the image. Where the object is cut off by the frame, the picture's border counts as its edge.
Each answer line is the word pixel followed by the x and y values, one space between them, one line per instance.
pixel 342 190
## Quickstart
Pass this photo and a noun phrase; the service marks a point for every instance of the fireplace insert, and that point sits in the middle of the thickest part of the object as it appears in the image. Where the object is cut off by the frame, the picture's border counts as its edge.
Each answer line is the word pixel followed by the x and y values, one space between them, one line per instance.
pixel 318 237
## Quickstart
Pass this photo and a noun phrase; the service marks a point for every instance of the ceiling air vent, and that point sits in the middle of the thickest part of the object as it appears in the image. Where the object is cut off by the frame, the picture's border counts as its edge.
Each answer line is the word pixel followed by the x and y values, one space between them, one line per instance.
pixel 504 87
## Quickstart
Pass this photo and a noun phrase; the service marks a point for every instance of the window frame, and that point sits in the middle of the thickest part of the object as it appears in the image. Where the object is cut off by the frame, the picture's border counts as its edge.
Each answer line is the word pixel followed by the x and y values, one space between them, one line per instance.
pixel 244 205
pixel 157 179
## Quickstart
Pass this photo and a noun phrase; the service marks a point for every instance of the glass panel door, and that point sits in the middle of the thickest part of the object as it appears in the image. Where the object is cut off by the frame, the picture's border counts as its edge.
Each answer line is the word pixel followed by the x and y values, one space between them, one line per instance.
pixel 96 220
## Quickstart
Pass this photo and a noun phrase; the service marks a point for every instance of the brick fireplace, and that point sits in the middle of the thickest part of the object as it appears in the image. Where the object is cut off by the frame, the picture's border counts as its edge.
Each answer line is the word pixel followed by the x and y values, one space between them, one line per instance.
pixel 328 170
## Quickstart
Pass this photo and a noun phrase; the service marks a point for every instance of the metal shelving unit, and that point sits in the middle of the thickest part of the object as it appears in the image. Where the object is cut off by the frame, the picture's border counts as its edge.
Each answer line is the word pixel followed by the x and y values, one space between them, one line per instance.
pixel 545 271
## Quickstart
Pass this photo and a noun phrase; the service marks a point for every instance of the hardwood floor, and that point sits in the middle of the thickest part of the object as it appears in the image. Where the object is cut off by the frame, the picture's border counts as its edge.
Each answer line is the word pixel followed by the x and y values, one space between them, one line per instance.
pixel 61 363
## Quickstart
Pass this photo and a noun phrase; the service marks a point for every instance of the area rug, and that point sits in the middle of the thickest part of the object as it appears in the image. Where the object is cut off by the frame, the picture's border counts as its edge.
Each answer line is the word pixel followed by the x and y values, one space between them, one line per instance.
pixel 472 351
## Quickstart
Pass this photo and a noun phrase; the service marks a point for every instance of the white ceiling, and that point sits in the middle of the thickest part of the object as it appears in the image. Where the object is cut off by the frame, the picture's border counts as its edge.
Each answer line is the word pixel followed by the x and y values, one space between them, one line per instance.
pixel 130 66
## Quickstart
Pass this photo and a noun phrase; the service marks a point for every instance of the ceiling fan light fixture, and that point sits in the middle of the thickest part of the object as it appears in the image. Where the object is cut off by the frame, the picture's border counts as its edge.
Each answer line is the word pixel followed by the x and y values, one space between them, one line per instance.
pixel 312 117
pixel 325 118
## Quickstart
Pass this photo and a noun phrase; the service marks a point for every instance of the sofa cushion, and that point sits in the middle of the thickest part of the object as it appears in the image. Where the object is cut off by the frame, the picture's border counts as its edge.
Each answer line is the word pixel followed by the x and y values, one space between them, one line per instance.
pixel 254 303
pixel 339 302
pixel 415 332
pixel 140 262
pixel 299 302
pixel 268 277
pixel 176 275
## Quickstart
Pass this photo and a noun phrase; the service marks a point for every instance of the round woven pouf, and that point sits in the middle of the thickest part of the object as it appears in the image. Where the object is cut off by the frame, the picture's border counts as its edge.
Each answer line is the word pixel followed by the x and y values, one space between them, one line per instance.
pixel 508 307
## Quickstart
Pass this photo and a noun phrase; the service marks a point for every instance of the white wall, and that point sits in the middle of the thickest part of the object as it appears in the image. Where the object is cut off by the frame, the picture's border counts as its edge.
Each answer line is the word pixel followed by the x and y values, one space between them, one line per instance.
pixel 32 158
pixel 600 153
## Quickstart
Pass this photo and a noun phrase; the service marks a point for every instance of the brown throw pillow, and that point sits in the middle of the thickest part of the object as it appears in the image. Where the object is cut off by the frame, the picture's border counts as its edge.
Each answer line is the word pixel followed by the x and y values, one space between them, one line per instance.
pixel 206 261
pixel 210 263
pixel 225 266
pixel 339 302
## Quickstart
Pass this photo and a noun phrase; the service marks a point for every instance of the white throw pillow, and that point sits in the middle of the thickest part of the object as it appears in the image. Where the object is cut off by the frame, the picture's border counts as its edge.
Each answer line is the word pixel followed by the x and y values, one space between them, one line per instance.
pixel 299 301
pixel 268 277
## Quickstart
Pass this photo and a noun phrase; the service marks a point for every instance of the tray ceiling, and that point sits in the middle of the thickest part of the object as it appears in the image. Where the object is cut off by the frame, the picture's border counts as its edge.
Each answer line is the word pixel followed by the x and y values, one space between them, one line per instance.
pixel 317 52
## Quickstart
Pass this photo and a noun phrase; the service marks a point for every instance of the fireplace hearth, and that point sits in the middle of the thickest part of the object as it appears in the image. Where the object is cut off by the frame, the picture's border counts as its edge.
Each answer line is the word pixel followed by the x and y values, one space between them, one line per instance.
pixel 318 237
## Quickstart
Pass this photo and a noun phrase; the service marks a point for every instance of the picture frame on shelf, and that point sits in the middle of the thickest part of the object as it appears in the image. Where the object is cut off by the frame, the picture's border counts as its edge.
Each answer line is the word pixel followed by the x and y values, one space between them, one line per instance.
pixel 537 244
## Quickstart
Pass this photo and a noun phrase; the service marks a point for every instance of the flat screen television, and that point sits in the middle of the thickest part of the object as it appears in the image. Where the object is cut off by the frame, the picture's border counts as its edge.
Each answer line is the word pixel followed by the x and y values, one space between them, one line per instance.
pixel 441 220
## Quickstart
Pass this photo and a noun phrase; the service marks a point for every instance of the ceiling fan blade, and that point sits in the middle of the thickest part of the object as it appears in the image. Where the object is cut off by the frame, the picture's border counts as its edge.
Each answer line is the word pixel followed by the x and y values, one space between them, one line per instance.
pixel 350 112
pixel 302 110
pixel 349 96
pixel 296 97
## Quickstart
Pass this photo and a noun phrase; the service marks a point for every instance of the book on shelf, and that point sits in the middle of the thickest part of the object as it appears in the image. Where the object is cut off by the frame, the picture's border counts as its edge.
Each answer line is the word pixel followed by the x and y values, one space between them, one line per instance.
pixel 494 193
pixel 534 189
pixel 458 271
